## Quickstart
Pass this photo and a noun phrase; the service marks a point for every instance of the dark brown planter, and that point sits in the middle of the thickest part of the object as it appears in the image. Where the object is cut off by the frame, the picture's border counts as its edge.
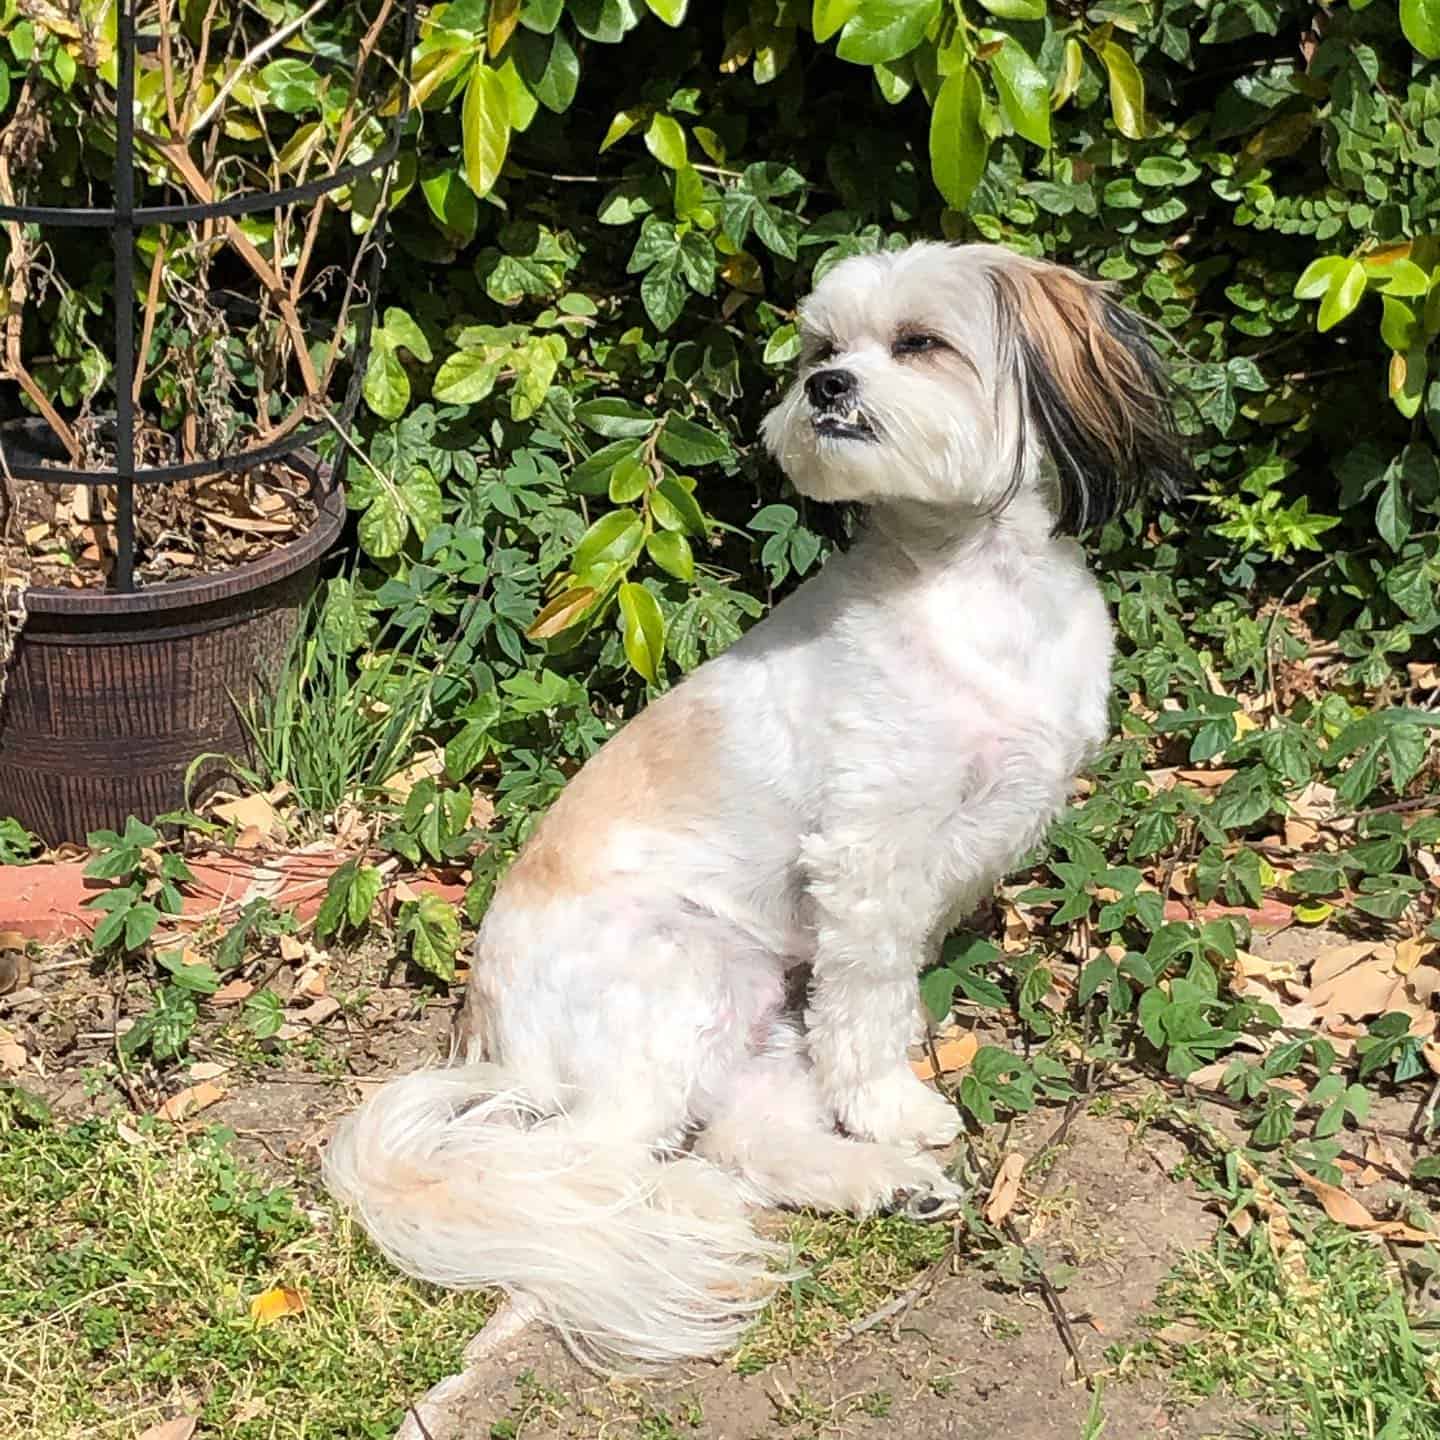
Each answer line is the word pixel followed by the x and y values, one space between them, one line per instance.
pixel 112 697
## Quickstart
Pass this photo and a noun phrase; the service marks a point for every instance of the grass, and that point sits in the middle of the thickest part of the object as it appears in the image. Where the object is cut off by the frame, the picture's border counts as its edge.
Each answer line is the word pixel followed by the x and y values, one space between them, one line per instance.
pixel 850 1269
pixel 1328 1350
pixel 131 1260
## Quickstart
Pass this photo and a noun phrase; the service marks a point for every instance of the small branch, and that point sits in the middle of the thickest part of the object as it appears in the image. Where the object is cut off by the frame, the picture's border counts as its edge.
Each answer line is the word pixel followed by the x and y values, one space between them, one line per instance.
pixel 251 57
pixel 147 327
pixel 179 157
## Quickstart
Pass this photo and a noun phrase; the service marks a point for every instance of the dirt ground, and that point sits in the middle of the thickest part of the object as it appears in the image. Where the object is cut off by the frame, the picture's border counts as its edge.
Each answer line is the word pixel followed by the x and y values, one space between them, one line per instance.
pixel 962 1354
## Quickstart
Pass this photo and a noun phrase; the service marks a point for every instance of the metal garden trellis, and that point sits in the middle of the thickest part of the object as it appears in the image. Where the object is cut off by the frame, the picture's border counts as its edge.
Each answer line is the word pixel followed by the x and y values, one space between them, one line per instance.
pixel 123 220
pixel 112 696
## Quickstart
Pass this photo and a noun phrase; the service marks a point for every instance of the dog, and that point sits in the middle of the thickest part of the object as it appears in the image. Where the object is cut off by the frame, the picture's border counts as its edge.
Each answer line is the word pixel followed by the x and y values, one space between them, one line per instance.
pixel 823 801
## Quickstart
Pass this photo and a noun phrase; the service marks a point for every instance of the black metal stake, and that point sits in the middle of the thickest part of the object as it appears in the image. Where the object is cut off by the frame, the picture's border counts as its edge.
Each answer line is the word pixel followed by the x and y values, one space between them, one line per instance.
pixel 123 238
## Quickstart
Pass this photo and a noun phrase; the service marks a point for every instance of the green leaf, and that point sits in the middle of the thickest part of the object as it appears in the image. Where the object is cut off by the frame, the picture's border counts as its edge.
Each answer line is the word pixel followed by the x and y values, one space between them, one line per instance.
pixel 628 481
pixel 387 386
pixel 1016 9
pixel 452 203
pixel 671 552
pixel 644 630
pixel 937 990
pixel 828 16
pixel 384 525
pixel 293 85
pixel 665 140
pixel 689 444
pixel 264 1014
pixel 615 419
pixel 614 539
pixel 484 129
pixel 683 512
pixel 466 377
pixel 1398 327
pixel 1420 21
pixel 672 12
pixel 1392 513
pixel 434 930
pixel 556 85
pixel 1315 278
pixel 959 146
pixel 1347 286
pixel 1127 90
pixel 882 30
pixel 1024 92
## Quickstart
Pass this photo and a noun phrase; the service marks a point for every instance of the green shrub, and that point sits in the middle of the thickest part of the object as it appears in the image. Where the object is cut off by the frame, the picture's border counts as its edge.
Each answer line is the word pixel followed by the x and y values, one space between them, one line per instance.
pixel 605 216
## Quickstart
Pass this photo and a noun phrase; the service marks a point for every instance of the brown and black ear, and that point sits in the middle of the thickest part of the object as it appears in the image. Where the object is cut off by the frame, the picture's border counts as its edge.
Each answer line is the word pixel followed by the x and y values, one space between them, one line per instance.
pixel 1095 389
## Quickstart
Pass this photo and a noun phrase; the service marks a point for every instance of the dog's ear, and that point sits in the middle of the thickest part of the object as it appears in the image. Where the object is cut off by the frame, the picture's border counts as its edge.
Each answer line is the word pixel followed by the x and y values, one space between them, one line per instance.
pixel 1094 387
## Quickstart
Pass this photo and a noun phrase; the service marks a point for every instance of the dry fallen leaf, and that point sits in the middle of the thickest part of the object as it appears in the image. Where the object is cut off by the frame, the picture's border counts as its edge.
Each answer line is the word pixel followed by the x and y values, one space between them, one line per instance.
pixel 207 1070
pixel 1206 779
pixel 232 992
pixel 13 1054
pixel 1346 1210
pixel 1357 992
pixel 1409 953
pixel 188 1101
pixel 251 812
pixel 275 1304
pixel 953 1054
pixel 320 1011
pixel 181 1428
pixel 1006 1189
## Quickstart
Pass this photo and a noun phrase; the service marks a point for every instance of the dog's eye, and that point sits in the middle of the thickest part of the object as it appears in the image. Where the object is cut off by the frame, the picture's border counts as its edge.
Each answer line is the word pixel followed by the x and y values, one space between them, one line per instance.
pixel 917 342
pixel 819 351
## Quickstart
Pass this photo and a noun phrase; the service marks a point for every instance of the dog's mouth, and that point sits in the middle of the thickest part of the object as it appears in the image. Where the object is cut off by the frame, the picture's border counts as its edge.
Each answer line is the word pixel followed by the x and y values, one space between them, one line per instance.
pixel 843 425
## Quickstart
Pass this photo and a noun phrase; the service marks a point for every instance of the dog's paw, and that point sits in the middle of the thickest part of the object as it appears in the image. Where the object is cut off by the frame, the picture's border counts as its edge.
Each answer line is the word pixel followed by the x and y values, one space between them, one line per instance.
pixel 898 1110
pixel 940 1200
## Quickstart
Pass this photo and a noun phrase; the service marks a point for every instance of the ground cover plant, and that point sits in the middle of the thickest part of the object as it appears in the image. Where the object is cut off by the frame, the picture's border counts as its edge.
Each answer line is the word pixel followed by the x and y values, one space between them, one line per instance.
pixel 560 507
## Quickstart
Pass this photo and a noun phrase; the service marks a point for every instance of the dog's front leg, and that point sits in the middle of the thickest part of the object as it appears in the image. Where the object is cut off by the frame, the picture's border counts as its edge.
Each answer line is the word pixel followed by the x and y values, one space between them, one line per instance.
pixel 873 916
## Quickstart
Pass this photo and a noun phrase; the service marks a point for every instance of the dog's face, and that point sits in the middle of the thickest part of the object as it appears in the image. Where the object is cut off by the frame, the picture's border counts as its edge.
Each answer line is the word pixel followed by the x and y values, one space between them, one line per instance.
pixel 952 374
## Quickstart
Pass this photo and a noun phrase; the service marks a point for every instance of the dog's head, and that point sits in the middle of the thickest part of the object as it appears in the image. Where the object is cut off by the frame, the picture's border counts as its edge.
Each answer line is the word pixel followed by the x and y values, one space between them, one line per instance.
pixel 961 375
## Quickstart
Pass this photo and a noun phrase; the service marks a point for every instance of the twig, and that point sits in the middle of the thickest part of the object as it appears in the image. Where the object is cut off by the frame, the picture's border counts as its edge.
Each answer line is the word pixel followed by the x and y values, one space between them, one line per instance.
pixel 251 56
pixel 1424 1119
pixel 178 156
pixel 147 327
pixel 1051 1297
pixel 900 1306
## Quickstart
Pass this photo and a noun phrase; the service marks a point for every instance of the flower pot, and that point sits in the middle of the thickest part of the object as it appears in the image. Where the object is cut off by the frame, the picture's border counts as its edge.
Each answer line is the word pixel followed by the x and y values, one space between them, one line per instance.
pixel 111 697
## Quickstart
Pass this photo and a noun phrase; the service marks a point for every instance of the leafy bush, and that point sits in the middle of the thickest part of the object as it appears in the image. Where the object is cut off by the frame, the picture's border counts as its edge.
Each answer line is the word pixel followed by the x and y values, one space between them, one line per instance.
pixel 605 215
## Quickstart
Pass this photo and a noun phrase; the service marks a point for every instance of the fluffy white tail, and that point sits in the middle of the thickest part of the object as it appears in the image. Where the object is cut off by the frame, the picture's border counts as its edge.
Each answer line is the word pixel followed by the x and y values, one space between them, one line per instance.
pixel 460 1180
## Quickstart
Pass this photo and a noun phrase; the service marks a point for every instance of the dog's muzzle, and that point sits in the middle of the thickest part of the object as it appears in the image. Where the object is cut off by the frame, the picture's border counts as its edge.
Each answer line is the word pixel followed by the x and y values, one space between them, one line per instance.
pixel 834 397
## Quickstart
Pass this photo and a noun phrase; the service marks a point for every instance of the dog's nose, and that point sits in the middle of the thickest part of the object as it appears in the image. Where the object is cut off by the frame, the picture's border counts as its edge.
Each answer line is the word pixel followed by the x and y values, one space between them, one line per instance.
pixel 828 389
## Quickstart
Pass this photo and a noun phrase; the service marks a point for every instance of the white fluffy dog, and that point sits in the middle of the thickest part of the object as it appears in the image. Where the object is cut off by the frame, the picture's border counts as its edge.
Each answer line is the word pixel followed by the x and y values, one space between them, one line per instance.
pixel 822 802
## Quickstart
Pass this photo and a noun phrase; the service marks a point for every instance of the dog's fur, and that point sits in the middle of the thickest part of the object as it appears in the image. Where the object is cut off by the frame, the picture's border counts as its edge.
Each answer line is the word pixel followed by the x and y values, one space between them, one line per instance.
pixel 829 797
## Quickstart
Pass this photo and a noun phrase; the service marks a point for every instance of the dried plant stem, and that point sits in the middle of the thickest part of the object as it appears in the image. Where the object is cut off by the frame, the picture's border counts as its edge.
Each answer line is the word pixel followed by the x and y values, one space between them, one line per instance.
pixel 179 157
pixel 256 53
pixel 337 155
pixel 147 325
pixel 18 264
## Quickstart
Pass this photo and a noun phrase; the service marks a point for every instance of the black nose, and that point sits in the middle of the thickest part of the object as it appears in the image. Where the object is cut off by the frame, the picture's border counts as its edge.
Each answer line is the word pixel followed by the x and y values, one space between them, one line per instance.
pixel 828 389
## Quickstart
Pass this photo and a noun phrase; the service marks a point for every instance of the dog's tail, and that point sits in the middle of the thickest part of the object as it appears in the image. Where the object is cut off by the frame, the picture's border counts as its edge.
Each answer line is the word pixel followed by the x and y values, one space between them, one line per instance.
pixel 461 1180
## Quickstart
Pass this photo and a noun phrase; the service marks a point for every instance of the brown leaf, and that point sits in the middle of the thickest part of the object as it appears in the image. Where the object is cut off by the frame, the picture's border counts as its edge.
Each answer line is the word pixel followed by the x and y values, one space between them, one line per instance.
pixel 232 992
pixel 188 1101
pixel 292 949
pixel 1356 993
pixel 1346 1210
pixel 181 1428
pixel 251 812
pixel 320 1011
pixel 1410 952
pixel 1206 779
pixel 275 1304
pixel 13 1054
pixel 953 1054
pixel 1006 1189
pixel 1300 834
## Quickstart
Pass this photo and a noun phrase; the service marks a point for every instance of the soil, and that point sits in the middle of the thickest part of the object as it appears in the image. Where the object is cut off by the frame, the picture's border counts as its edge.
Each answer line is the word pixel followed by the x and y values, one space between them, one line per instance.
pixel 972 1356
pixel 63 536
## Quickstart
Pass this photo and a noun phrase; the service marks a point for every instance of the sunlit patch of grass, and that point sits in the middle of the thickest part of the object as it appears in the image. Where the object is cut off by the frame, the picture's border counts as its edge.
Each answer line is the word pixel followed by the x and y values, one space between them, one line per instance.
pixel 849 1269
pixel 126 1279
pixel 1330 1352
